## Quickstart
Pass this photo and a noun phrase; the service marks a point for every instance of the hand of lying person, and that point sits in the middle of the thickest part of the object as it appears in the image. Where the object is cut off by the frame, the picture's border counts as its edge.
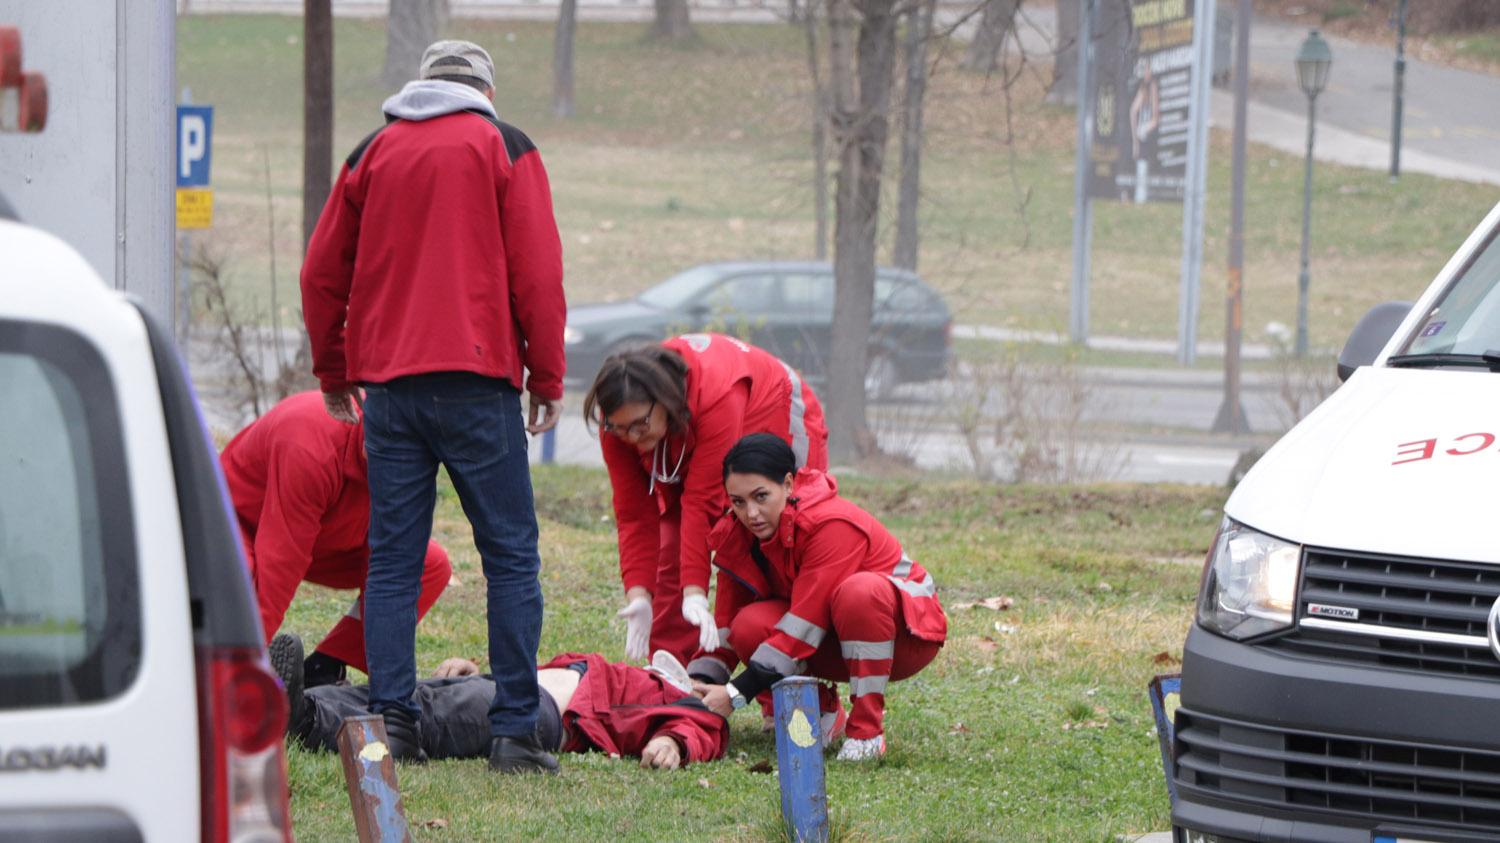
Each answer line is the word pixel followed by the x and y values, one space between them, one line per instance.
pixel 455 667
pixel 661 753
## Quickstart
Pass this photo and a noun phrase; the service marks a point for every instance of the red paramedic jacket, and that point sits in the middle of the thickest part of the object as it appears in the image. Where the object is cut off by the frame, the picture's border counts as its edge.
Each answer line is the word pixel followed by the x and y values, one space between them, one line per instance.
pixel 619 708
pixel 438 251
pixel 822 540
pixel 732 389
pixel 298 481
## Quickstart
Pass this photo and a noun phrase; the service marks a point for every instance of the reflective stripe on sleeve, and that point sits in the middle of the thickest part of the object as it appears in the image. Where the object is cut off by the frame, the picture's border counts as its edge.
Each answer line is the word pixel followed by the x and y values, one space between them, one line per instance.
pixel 861 685
pixel 797 424
pixel 903 568
pixel 868 649
pixel 776 660
pixel 724 638
pixel 805 631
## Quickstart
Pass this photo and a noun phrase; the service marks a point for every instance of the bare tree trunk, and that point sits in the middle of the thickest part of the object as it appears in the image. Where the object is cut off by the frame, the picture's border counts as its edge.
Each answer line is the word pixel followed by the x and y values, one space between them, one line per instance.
pixel 562 59
pixel 819 133
pixel 410 26
pixel 671 22
pixel 317 111
pixel 995 24
pixel 1064 87
pixel 918 30
pixel 863 126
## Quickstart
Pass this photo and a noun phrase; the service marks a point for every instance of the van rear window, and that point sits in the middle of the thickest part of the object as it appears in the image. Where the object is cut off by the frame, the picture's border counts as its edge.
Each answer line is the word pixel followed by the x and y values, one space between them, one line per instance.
pixel 69 604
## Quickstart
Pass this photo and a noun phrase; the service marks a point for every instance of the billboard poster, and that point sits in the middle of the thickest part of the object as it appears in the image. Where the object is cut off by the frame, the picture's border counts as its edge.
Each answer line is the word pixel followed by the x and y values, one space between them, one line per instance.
pixel 1143 74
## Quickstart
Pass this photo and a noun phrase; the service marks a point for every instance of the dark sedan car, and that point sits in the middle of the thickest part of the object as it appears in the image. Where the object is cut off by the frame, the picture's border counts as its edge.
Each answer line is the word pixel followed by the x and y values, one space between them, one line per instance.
pixel 785 308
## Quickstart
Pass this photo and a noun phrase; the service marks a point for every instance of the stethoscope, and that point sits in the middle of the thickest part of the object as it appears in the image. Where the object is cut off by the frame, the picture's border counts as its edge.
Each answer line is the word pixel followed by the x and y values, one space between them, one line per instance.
pixel 659 458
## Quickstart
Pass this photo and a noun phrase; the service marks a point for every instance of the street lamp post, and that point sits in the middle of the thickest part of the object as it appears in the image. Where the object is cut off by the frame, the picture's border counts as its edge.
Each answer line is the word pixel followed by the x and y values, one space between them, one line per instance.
pixel 1313 60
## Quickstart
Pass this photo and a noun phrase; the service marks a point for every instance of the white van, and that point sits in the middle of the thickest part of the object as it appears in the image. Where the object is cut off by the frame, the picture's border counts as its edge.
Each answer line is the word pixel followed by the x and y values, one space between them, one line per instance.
pixel 1342 681
pixel 135 698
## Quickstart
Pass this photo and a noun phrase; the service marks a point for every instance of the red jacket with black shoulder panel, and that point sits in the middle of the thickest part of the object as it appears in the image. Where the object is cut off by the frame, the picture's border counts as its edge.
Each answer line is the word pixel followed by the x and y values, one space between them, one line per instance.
pixel 438 251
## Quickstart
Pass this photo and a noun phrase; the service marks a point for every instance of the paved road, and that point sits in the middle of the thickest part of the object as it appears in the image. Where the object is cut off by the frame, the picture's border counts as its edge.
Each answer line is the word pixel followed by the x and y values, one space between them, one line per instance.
pixel 1161 419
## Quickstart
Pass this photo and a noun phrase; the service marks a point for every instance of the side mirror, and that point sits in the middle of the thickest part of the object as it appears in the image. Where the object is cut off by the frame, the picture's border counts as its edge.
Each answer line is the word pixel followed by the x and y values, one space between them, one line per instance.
pixel 1374 330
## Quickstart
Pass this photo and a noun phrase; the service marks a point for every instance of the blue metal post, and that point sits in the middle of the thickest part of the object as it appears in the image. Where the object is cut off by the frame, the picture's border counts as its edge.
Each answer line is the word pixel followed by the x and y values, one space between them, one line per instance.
pixel 799 759
pixel 549 446
pixel 370 773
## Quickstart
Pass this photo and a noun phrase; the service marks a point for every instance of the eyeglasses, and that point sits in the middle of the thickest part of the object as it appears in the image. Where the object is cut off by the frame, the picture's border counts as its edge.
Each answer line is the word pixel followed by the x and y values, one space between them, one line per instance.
pixel 633 430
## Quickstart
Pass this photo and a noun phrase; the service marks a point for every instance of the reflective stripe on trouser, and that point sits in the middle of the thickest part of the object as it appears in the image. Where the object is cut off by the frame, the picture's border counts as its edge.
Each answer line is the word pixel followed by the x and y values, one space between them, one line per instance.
pixel 868 646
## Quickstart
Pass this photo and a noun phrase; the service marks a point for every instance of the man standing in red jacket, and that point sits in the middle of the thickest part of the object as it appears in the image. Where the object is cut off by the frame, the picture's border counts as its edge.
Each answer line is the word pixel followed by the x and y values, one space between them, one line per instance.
pixel 434 280
pixel 297 481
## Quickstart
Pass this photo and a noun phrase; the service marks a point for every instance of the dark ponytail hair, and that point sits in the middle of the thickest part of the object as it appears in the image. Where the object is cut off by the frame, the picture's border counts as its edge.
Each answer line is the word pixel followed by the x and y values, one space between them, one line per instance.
pixel 765 454
pixel 644 373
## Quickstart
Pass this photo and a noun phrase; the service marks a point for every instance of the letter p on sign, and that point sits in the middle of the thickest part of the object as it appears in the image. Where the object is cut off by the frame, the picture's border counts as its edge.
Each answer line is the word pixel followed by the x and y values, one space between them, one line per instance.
pixel 195 126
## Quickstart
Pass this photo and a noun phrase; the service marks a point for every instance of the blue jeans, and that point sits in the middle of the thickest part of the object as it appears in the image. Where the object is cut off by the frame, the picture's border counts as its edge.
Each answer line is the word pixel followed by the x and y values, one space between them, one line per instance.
pixel 472 425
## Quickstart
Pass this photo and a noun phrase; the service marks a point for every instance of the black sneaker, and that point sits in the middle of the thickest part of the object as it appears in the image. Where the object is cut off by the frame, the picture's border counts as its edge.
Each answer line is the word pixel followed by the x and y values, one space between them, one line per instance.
pixel 323 669
pixel 403 736
pixel 286 660
pixel 520 755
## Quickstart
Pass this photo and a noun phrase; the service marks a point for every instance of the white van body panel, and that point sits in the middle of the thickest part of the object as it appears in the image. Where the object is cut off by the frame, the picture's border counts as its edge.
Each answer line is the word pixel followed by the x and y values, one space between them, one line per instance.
pixel 1397 461
pixel 150 731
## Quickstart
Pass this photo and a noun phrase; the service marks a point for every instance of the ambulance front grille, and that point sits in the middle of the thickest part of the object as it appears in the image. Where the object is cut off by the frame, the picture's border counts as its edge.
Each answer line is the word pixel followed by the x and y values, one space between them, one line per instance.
pixel 1424 615
pixel 1454 788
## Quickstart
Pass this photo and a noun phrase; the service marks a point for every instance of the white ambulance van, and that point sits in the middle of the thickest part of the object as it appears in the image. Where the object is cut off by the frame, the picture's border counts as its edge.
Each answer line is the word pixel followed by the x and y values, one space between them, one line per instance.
pixel 1342 679
pixel 136 703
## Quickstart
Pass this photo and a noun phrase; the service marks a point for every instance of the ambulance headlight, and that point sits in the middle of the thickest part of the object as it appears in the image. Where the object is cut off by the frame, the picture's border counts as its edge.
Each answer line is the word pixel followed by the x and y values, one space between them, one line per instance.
pixel 1250 584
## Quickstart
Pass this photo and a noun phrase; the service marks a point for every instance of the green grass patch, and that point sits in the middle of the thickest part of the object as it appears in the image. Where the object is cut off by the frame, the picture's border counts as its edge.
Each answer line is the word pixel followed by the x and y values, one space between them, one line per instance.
pixel 1032 724
pixel 681 156
pixel 1478 46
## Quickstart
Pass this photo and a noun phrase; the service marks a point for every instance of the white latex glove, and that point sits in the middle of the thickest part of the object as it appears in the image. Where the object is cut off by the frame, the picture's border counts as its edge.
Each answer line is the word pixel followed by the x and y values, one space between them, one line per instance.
pixel 695 611
pixel 637 615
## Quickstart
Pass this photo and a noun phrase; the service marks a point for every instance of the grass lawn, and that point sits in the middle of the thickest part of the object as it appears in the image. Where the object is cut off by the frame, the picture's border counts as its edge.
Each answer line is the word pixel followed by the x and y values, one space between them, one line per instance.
pixel 1039 729
pixel 680 156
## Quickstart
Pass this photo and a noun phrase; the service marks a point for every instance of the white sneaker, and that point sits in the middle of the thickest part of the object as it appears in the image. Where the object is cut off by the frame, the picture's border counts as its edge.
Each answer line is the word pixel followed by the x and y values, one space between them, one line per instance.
pixel 862 749
pixel 665 665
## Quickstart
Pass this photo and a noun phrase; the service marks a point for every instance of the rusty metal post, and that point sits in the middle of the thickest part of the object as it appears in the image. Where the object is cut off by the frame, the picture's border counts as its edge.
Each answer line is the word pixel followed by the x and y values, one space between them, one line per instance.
pixel 799 760
pixel 370 773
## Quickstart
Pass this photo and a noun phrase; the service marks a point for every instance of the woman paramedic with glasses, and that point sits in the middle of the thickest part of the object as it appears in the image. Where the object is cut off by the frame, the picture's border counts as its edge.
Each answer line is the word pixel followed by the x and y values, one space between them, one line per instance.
pixel 667 415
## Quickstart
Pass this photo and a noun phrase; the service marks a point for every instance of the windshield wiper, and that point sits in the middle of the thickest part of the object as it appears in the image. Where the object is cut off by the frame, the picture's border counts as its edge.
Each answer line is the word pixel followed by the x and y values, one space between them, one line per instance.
pixel 1488 360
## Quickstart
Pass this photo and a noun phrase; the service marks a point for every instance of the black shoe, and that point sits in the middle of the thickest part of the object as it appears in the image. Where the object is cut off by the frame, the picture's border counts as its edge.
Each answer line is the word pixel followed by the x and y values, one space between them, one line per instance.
pixel 286 660
pixel 520 755
pixel 323 669
pixel 403 736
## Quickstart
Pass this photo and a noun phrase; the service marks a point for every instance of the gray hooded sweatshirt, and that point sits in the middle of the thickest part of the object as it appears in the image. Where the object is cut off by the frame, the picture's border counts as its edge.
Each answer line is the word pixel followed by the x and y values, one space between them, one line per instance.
pixel 428 98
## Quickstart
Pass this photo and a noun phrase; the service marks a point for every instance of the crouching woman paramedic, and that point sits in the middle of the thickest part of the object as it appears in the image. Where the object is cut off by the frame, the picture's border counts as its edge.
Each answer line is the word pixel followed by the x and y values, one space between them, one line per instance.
pixel 667 414
pixel 811 584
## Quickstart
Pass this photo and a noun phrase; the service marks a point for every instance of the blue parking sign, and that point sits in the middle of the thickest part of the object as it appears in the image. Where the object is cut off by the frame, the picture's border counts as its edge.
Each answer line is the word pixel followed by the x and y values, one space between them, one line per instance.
pixel 195 129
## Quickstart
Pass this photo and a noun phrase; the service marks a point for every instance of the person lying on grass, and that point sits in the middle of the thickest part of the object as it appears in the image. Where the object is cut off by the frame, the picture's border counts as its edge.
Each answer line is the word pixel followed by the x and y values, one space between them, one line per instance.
pixel 587 704
pixel 811 584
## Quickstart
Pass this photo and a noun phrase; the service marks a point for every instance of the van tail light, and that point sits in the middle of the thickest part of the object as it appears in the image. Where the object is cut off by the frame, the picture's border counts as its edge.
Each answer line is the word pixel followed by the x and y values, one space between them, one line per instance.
pixel 242 714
